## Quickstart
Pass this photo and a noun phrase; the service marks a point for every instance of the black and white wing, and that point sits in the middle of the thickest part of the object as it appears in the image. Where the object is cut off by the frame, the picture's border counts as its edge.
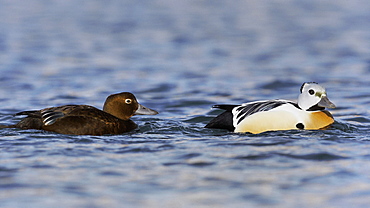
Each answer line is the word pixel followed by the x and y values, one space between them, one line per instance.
pixel 234 114
pixel 248 109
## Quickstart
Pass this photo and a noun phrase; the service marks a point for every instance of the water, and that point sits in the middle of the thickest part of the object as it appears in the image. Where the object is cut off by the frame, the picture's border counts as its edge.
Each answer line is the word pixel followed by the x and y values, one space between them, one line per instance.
pixel 180 58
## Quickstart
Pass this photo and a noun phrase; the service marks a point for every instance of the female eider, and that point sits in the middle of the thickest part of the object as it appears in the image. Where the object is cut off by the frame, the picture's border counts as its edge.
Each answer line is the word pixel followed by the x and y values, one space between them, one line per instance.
pixel 273 115
pixel 85 119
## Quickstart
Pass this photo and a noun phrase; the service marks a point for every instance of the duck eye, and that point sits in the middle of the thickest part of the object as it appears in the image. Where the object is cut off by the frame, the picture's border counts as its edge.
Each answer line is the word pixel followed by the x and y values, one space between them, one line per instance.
pixel 128 101
pixel 311 91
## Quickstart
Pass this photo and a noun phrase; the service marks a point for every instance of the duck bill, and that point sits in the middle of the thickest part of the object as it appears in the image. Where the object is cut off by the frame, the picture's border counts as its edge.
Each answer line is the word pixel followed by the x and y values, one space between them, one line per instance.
pixel 142 110
pixel 325 102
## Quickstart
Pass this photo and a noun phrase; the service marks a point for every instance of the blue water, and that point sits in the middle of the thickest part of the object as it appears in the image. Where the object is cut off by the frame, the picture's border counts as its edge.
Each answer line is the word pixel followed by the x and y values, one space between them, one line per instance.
pixel 180 58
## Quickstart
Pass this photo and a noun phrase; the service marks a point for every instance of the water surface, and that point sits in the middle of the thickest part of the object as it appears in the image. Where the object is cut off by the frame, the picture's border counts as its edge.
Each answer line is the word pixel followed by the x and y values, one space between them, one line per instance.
pixel 180 58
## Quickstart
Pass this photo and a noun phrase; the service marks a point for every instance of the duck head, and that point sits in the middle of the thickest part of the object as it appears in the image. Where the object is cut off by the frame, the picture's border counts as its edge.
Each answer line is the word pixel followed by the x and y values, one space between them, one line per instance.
pixel 124 105
pixel 313 97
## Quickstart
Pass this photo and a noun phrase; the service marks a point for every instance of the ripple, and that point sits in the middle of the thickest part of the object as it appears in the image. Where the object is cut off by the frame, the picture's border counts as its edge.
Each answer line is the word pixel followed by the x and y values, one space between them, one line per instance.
pixel 198 164
pixel 258 144
pixel 135 150
pixel 42 166
pixel 7 172
pixel 277 84
pixel 201 164
pixel 198 119
pixel 112 173
pixel 359 119
pixel 9 186
pixel 316 156
pixel 253 157
pixel 344 127
pixel 166 147
pixel 84 140
pixel 188 156
pixel 181 61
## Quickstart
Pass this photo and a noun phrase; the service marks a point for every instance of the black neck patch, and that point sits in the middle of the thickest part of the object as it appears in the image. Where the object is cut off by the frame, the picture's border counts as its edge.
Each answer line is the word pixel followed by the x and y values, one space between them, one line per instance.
pixel 315 108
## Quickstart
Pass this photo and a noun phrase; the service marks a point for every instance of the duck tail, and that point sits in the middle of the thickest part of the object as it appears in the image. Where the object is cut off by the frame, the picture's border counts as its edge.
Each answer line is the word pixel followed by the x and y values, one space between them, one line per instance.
pixel 6 126
pixel 225 107
pixel 28 113
pixel 222 121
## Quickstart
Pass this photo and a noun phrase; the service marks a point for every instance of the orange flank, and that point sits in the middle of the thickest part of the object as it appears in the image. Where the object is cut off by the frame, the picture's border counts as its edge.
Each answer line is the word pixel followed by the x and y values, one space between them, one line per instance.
pixel 319 120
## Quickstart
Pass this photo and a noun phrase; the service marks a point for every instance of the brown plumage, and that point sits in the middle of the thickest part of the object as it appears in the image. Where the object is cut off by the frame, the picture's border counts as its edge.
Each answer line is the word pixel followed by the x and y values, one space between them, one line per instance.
pixel 85 119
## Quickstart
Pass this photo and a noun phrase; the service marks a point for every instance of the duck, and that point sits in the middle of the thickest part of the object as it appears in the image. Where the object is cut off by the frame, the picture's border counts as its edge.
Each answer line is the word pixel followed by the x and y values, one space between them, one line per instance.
pixel 275 115
pixel 85 119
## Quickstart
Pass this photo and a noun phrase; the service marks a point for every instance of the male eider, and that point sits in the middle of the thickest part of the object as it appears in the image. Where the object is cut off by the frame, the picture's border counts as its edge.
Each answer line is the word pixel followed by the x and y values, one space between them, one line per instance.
pixel 273 115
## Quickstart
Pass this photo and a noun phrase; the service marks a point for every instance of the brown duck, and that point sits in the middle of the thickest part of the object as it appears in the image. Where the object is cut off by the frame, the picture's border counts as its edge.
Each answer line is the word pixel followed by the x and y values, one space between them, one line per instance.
pixel 85 119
